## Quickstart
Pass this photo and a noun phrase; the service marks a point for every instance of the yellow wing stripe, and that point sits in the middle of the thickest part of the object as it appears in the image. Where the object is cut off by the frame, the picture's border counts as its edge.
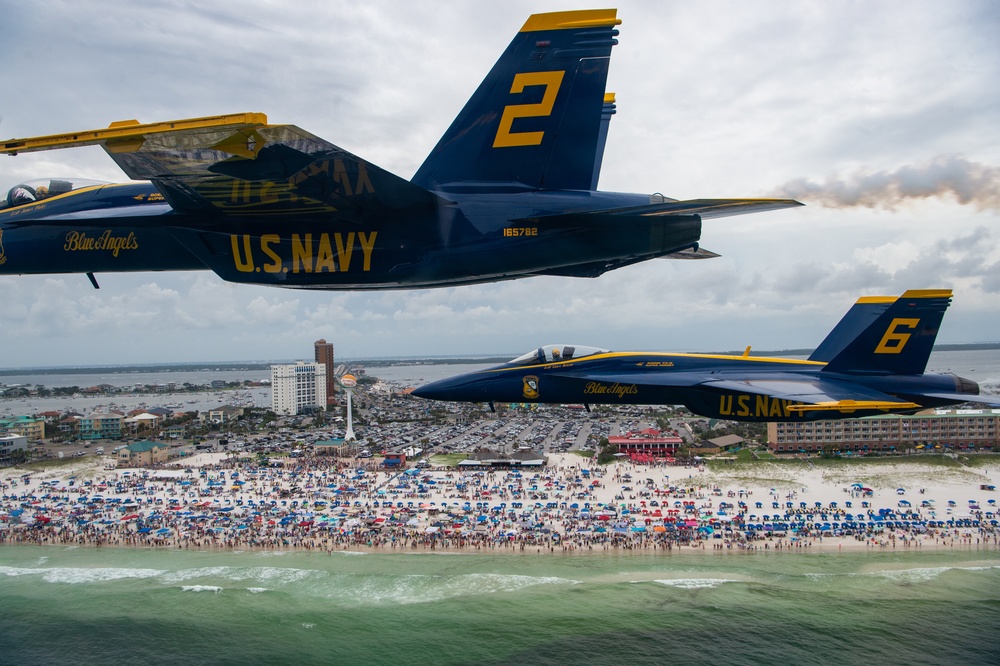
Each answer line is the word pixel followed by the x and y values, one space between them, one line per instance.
pixel 584 18
pixel 129 132
pixel 848 406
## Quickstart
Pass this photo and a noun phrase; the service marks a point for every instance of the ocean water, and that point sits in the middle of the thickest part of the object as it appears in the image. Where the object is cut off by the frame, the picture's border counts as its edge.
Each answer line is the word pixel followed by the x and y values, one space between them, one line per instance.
pixel 86 605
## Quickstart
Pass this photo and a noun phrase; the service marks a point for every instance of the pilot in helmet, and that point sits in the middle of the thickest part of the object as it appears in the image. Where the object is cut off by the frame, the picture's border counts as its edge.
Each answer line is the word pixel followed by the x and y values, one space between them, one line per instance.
pixel 21 194
pixel 41 192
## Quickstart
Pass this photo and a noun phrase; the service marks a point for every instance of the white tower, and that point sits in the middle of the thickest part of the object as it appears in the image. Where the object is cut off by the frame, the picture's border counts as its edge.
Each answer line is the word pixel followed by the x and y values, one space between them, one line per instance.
pixel 349 382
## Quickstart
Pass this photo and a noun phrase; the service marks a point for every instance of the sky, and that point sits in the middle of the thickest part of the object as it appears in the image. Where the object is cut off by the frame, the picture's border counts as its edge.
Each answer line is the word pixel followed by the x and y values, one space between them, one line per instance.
pixel 881 117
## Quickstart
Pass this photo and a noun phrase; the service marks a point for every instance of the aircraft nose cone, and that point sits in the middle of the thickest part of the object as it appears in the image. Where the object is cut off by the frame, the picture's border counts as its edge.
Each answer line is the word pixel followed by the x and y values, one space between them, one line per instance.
pixel 472 387
pixel 442 389
pixel 427 391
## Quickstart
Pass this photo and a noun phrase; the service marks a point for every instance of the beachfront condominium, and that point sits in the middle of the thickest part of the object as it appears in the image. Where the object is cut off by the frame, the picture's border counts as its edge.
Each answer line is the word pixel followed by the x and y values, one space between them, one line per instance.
pixel 940 429
pixel 30 427
pixel 324 355
pixel 299 388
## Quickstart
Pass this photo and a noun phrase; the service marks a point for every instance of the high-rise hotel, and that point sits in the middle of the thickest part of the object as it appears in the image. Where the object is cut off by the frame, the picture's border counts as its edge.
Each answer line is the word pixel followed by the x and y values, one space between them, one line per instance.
pixel 299 388
pixel 324 355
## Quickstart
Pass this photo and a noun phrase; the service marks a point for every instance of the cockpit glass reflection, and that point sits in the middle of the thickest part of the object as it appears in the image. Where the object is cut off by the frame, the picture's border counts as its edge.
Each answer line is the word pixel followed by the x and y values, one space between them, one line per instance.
pixel 553 353
pixel 39 189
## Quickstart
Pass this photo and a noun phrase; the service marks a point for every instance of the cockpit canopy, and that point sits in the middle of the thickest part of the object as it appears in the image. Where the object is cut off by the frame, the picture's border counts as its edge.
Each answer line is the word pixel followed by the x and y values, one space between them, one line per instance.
pixel 31 191
pixel 552 353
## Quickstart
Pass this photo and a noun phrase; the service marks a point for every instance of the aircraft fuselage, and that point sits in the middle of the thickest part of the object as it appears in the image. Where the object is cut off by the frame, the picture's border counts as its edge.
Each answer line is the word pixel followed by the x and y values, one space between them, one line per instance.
pixel 471 237
pixel 678 379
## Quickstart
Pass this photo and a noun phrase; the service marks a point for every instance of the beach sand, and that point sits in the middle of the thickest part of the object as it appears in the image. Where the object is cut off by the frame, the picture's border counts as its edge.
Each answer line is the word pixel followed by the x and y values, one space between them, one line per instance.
pixel 572 505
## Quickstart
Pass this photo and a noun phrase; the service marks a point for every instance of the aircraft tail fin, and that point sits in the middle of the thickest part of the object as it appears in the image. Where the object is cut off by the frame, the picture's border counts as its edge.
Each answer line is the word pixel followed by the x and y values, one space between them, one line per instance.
pixel 536 119
pixel 602 137
pixel 899 341
pixel 861 315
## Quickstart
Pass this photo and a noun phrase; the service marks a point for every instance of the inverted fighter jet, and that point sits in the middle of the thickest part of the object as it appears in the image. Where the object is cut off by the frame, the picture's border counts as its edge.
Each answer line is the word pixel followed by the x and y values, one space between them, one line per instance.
pixel 510 191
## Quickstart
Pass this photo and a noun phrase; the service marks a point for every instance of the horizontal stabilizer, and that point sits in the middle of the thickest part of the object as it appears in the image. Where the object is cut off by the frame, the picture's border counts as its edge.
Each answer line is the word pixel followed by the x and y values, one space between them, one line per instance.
pixel 964 397
pixel 692 253
pixel 705 208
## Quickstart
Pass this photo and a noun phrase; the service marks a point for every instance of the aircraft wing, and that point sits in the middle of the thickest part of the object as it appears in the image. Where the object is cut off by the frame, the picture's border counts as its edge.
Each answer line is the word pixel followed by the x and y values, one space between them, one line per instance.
pixel 239 164
pixel 704 208
pixel 815 395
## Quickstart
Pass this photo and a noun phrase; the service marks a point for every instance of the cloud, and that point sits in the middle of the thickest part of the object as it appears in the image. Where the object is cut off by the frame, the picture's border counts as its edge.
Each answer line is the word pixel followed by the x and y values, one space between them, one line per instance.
pixel 898 107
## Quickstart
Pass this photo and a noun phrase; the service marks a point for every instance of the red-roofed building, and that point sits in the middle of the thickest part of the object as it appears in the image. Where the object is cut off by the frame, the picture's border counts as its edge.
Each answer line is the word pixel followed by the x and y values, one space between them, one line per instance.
pixel 649 443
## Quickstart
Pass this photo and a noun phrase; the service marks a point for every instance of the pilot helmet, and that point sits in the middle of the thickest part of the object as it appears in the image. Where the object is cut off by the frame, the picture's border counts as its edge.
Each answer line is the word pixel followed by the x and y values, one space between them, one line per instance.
pixel 41 192
pixel 21 194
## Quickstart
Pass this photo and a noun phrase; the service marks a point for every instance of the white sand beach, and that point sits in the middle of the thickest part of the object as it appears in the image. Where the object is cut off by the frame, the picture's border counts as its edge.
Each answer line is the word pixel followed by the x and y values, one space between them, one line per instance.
pixel 571 505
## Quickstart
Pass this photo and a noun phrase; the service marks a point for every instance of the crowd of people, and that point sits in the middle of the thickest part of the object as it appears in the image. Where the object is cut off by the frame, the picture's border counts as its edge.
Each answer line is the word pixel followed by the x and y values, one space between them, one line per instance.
pixel 570 505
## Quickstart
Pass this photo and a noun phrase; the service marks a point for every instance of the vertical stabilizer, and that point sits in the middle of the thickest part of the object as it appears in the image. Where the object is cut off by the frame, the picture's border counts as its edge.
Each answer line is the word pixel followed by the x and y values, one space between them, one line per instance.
pixel 861 315
pixel 602 137
pixel 535 120
pixel 900 340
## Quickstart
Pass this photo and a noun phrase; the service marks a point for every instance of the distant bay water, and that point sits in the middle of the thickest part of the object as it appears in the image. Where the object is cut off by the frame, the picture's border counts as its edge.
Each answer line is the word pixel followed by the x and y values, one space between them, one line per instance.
pixel 981 365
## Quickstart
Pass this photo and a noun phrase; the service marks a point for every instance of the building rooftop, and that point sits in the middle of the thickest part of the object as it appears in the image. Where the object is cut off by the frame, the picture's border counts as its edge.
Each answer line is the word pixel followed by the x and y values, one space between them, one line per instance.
pixel 145 445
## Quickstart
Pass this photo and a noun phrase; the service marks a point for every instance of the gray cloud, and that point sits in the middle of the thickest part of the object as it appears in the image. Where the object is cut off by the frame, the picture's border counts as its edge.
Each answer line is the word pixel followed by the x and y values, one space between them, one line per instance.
pixel 771 92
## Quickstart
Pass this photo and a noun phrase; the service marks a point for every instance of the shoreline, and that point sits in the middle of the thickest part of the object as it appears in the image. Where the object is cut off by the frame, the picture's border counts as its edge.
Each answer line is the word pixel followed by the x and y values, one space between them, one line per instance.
pixel 826 546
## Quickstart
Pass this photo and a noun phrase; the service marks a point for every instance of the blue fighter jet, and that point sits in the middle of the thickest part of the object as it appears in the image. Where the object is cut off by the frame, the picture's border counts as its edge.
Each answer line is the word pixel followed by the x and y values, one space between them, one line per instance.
pixel 510 191
pixel 872 363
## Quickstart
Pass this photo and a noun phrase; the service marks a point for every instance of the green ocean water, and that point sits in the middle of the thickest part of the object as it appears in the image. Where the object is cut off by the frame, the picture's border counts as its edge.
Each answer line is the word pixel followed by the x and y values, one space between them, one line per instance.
pixel 85 605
